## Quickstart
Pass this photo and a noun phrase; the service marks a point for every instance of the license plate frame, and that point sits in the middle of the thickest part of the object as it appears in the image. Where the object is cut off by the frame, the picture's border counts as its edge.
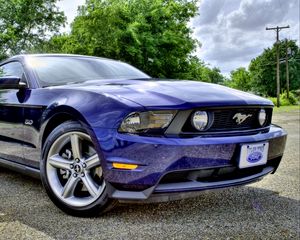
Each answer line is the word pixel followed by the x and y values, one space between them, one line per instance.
pixel 253 154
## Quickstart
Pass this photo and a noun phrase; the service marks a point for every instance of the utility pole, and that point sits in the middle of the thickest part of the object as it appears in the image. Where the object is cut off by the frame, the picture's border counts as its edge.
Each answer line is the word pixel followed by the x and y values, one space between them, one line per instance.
pixel 287 69
pixel 277 29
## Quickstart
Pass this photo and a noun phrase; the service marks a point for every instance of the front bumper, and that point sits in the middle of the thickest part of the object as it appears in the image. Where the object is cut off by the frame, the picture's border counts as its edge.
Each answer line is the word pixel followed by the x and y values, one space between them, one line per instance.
pixel 159 157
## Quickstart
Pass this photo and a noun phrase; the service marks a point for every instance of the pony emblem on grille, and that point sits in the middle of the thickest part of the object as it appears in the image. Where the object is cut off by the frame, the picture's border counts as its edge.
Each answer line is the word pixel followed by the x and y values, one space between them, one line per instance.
pixel 240 118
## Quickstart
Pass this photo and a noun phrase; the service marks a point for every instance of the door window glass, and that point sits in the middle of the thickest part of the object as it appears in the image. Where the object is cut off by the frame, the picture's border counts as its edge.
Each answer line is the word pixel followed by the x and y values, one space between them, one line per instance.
pixel 11 69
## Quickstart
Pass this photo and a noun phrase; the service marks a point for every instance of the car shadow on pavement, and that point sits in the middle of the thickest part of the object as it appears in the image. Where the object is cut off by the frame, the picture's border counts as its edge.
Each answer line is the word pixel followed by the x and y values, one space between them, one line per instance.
pixel 239 212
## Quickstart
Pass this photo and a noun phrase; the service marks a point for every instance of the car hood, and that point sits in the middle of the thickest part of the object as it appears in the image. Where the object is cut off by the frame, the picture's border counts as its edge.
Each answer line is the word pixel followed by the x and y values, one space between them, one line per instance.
pixel 158 93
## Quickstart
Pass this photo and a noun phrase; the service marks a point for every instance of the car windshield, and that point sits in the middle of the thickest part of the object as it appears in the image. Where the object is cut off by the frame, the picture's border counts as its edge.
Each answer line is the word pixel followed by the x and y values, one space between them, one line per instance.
pixel 55 71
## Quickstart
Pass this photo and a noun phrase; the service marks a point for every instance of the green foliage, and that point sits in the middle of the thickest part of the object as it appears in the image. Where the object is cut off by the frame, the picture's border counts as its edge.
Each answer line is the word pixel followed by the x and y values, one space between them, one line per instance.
pixel 240 79
pixel 296 94
pixel 56 44
pixel 286 109
pixel 197 70
pixel 263 69
pixel 284 100
pixel 213 75
pixel 25 23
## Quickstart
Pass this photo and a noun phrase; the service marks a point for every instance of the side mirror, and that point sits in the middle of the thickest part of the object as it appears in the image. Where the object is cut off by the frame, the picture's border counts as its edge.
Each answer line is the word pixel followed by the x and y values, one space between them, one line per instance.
pixel 11 82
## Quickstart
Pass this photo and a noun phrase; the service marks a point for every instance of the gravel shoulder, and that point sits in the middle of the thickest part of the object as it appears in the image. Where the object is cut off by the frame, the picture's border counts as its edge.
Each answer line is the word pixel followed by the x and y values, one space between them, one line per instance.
pixel 268 209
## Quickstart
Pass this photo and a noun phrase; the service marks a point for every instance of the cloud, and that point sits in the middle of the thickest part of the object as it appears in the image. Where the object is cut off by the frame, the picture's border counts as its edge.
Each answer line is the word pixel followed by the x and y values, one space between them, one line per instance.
pixel 209 11
pixel 253 15
pixel 233 32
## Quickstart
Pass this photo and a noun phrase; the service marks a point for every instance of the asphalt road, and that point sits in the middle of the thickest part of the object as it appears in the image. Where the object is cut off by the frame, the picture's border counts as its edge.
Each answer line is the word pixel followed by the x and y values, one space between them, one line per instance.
pixel 268 209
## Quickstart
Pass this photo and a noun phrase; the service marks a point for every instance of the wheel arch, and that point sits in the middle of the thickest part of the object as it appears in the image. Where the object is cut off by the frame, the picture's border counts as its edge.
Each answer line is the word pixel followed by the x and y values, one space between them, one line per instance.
pixel 59 115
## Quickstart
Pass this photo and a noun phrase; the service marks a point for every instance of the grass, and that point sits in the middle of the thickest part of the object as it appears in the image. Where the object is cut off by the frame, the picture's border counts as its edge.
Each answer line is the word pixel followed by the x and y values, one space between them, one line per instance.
pixel 291 108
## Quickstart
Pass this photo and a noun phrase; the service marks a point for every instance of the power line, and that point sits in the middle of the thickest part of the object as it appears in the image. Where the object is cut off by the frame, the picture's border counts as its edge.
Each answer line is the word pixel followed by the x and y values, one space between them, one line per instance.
pixel 277 29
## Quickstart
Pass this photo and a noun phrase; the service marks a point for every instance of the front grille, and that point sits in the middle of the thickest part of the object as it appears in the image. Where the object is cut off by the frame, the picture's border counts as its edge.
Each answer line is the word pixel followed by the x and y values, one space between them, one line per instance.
pixel 222 120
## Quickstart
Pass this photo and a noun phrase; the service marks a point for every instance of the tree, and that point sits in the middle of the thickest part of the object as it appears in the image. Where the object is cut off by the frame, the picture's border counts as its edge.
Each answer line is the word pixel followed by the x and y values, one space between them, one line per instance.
pixel 263 69
pixel 240 79
pixel 25 23
pixel 196 69
pixel 213 75
pixel 151 35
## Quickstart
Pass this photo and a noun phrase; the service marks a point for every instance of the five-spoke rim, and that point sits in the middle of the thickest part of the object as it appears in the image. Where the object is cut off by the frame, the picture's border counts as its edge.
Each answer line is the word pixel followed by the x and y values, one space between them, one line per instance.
pixel 74 170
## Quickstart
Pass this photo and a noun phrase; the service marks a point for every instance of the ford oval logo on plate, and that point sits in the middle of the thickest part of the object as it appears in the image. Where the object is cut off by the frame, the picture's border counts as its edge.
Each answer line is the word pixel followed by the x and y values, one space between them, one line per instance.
pixel 254 157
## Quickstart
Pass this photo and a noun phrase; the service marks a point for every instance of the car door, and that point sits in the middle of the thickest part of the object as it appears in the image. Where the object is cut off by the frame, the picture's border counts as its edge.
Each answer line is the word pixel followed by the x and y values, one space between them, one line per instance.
pixel 11 116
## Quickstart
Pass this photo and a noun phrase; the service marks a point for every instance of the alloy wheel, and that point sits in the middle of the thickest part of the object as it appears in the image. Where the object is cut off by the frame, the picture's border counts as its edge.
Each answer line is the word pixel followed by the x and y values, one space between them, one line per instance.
pixel 74 170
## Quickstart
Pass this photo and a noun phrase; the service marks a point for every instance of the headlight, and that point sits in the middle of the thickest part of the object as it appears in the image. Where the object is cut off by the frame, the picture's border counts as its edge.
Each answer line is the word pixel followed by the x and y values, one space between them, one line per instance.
pixel 200 120
pixel 143 121
pixel 262 117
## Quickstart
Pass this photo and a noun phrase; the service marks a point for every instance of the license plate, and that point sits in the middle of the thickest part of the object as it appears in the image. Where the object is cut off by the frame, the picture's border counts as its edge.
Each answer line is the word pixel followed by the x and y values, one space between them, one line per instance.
pixel 253 154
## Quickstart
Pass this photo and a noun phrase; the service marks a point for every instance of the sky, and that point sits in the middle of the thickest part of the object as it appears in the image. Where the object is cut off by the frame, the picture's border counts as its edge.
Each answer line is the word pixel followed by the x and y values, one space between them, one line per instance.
pixel 231 32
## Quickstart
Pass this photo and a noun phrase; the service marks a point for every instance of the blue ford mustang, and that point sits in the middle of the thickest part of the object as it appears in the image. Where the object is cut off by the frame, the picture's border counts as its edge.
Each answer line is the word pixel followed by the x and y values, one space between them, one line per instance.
pixel 99 131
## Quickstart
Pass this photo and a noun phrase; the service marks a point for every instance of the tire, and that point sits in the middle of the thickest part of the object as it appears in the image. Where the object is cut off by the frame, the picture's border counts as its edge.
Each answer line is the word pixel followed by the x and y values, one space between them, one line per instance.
pixel 71 172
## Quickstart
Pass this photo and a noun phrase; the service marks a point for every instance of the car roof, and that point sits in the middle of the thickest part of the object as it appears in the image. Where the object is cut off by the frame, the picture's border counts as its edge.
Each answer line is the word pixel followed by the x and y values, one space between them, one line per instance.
pixel 22 57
